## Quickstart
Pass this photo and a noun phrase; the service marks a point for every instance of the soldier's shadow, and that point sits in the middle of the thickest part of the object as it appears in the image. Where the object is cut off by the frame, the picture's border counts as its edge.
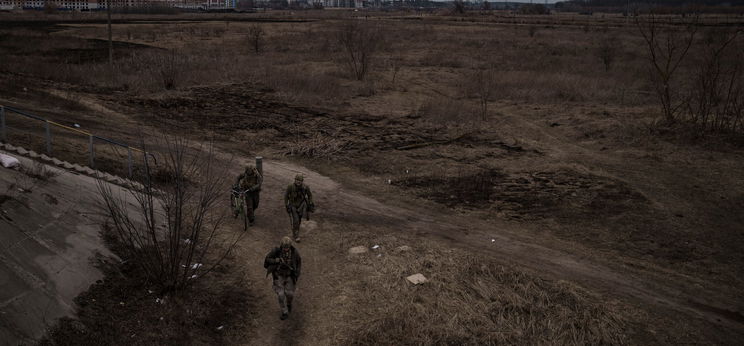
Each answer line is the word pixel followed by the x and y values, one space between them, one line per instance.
pixel 292 329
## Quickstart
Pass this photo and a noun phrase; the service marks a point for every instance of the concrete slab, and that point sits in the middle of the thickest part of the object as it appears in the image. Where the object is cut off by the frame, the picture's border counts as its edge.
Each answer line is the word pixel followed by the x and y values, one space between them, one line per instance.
pixel 47 240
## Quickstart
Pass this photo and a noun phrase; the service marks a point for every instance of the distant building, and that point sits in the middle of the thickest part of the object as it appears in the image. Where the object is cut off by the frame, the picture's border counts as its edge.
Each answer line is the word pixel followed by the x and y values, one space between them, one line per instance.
pixel 88 5
pixel 342 3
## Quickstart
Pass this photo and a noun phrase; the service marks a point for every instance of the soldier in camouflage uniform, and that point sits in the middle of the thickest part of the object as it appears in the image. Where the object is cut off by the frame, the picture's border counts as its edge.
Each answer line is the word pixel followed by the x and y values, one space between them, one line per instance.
pixel 250 180
pixel 299 202
pixel 284 264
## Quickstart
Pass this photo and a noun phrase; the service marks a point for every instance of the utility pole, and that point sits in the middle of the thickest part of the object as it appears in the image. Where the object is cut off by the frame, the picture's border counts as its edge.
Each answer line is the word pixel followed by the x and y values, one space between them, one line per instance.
pixel 110 40
pixel 627 13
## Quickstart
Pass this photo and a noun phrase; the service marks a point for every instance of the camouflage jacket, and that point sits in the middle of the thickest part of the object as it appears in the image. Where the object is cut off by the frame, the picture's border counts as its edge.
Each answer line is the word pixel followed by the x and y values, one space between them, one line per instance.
pixel 293 267
pixel 294 195
pixel 252 180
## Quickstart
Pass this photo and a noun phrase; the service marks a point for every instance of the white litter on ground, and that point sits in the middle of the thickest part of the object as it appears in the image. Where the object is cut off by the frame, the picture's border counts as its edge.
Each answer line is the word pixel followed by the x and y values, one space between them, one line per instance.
pixel 357 250
pixel 375 247
pixel 196 266
pixel 9 161
pixel 417 279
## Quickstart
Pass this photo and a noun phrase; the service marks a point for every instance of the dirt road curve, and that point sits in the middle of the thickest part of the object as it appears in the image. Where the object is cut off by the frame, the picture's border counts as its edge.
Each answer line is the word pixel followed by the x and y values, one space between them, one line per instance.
pixel 338 206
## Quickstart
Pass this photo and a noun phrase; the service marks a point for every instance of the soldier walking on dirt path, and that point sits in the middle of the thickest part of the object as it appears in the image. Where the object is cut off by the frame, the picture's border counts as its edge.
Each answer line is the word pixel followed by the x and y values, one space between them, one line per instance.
pixel 250 181
pixel 284 263
pixel 299 203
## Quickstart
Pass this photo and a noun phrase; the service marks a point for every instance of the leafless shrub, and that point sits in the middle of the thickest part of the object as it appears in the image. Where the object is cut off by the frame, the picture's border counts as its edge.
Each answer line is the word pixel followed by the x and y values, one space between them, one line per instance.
pixel 168 229
pixel 607 52
pixel 394 64
pixel 667 48
pixel 168 70
pixel 482 84
pixel 359 42
pixel 458 7
pixel 50 7
pixel 534 9
pixel 255 36
pixel 716 100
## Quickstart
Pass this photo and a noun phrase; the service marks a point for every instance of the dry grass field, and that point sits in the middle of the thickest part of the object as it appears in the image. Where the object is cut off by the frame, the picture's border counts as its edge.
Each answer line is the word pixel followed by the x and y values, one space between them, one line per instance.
pixel 534 132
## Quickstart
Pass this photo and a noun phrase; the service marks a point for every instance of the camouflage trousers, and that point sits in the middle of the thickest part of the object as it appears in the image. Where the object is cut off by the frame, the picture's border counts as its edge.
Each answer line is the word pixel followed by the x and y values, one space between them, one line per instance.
pixel 284 286
pixel 251 204
pixel 296 214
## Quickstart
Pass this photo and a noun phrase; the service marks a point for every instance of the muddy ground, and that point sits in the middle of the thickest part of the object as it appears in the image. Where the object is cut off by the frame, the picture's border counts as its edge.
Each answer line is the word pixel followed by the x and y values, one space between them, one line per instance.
pixel 583 191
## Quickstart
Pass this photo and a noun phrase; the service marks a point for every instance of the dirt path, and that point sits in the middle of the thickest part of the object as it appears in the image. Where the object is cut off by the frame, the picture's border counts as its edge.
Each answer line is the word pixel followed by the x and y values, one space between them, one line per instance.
pixel 337 206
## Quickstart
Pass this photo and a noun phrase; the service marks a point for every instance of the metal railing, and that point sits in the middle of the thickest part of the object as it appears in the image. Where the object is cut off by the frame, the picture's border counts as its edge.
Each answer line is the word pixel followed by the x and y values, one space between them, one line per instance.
pixel 5 110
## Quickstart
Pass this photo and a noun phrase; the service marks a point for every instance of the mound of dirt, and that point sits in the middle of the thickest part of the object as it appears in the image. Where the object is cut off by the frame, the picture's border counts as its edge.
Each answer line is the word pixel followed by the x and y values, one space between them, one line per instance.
pixel 530 195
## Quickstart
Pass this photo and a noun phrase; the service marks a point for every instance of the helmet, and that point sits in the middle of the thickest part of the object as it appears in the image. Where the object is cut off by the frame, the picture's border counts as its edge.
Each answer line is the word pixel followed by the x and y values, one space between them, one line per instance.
pixel 286 241
pixel 299 177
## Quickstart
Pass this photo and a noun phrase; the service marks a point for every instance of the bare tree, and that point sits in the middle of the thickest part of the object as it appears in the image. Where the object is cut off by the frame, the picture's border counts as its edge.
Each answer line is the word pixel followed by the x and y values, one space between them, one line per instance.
pixel 482 84
pixel 359 42
pixel 716 97
pixel 168 66
pixel 50 7
pixel 667 47
pixel 458 7
pixel 607 51
pixel 110 41
pixel 255 36
pixel 394 62
pixel 168 227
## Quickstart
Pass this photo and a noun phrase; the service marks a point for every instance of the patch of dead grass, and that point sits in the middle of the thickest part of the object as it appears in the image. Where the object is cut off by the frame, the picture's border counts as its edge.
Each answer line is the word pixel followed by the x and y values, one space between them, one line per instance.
pixel 469 300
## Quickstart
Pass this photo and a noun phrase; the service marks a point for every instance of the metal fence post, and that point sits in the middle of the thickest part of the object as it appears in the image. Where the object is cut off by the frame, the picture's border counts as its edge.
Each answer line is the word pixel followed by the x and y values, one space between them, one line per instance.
pixel 3 134
pixel 129 161
pixel 48 138
pixel 92 153
pixel 259 164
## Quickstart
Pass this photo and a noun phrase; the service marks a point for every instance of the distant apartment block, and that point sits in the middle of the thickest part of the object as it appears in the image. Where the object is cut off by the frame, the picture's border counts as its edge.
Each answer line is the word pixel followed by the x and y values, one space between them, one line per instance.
pixel 343 3
pixel 66 5
pixel 101 4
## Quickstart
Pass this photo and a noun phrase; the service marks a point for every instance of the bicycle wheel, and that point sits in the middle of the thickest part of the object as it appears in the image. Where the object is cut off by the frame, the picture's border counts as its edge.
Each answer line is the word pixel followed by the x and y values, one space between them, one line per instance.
pixel 244 210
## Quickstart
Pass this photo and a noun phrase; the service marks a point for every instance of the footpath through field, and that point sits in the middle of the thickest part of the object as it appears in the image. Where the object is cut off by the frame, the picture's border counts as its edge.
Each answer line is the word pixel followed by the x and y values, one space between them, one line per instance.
pixel 338 206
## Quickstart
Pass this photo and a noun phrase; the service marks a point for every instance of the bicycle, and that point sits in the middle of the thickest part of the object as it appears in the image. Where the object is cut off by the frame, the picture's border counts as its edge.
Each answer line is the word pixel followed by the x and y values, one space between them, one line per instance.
pixel 239 205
